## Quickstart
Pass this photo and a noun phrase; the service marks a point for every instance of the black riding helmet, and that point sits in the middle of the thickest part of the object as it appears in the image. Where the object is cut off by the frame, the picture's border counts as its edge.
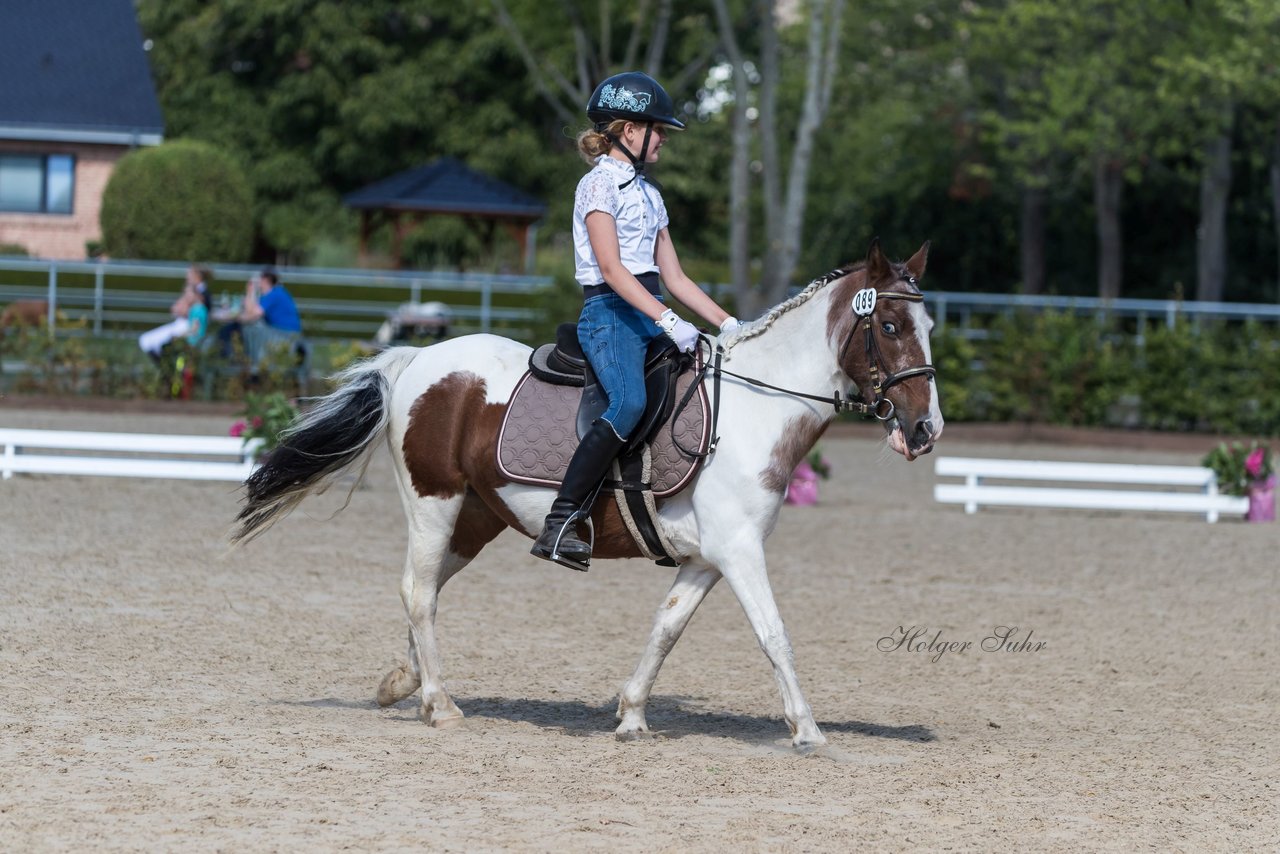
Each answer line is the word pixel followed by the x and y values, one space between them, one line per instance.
pixel 636 97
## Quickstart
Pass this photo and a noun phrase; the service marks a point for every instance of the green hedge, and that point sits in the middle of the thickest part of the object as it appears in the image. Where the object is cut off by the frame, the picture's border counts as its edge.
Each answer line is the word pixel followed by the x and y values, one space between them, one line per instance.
pixel 183 199
pixel 1058 368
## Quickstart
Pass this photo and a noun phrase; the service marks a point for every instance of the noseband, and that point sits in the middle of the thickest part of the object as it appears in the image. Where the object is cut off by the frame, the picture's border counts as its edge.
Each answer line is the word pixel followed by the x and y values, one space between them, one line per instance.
pixel 864 309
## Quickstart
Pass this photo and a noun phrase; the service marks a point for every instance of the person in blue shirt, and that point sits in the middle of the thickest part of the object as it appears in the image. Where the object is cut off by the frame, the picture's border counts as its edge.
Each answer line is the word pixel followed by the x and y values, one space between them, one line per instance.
pixel 269 316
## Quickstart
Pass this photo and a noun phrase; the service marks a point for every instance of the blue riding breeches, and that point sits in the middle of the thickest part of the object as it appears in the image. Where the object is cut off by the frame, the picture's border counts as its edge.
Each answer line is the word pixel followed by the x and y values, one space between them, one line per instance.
pixel 615 337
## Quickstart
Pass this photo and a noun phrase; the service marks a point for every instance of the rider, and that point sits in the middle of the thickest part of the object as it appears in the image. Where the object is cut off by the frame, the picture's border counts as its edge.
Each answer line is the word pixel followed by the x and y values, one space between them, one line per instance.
pixel 621 247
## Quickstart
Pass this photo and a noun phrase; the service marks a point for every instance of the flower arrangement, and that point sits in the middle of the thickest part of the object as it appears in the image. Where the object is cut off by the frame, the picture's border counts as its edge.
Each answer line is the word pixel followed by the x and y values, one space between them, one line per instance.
pixel 803 489
pixel 264 417
pixel 1238 466
pixel 820 465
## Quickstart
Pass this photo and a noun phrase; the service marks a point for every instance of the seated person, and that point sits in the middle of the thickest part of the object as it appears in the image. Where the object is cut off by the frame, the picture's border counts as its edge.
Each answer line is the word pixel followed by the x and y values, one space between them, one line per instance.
pixel 190 312
pixel 268 315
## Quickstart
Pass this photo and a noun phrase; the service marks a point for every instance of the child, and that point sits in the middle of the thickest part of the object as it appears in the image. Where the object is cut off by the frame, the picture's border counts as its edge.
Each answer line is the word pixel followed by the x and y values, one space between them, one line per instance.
pixel 194 293
pixel 621 248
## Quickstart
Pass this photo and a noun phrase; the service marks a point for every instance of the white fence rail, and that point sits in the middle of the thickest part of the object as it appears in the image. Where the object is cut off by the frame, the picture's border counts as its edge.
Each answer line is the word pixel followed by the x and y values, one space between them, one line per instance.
pixel 125 455
pixel 974 492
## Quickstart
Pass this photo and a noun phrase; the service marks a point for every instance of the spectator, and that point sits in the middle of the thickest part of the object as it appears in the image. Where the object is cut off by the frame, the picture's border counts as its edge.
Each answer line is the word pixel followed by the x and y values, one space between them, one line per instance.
pixel 190 316
pixel 269 316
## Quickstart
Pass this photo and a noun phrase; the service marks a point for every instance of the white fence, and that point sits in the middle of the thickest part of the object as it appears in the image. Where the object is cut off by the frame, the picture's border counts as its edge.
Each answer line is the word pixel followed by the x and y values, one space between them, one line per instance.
pixel 126 455
pixel 974 493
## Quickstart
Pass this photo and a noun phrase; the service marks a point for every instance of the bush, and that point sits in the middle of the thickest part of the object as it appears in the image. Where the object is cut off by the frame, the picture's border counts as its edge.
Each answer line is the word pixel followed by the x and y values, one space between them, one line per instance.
pixel 1052 367
pixel 181 200
pixel 1061 368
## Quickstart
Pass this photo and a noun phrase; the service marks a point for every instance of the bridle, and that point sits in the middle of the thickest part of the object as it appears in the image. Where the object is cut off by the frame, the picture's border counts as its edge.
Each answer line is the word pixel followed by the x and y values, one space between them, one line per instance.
pixel 864 307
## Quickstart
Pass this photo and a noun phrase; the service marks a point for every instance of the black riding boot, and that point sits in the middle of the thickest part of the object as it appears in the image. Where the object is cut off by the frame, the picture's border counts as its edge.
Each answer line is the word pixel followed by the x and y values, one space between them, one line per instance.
pixel 559 539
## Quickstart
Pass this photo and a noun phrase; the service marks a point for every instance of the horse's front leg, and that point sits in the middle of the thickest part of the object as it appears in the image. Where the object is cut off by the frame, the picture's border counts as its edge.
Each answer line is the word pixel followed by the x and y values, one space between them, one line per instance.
pixel 745 571
pixel 692 583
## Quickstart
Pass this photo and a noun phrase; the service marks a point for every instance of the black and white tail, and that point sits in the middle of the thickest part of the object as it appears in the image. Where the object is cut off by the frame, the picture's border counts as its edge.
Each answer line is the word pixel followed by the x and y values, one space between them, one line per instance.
pixel 337 434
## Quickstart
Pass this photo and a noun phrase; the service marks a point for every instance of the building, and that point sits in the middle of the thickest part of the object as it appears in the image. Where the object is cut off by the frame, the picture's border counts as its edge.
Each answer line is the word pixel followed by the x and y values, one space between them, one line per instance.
pixel 447 187
pixel 77 95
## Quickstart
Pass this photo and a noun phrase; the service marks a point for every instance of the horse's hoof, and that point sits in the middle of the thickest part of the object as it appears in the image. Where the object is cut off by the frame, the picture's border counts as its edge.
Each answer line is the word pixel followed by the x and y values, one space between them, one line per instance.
pixel 634 735
pixel 446 721
pixel 397 685
pixel 808 746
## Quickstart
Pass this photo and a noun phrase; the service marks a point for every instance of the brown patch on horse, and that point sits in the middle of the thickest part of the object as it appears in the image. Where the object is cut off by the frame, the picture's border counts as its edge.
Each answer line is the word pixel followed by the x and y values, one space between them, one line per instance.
pixel 439 426
pixel 798 438
pixel 899 353
pixel 476 527
pixel 613 540
pixel 451 448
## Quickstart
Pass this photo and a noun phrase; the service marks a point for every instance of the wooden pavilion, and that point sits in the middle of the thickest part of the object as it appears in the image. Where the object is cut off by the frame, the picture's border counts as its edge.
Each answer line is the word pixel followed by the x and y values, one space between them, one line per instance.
pixel 447 187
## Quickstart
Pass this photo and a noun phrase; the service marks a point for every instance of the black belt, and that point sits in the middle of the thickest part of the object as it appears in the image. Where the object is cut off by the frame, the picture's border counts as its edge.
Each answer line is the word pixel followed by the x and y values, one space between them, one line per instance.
pixel 649 280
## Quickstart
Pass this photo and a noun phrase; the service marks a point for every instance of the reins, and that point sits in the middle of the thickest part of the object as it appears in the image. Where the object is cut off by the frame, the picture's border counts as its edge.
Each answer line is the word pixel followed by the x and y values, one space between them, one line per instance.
pixel 864 306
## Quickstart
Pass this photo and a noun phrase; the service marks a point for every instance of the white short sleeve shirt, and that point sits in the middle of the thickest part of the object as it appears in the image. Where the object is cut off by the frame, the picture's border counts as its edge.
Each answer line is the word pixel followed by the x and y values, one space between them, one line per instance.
pixel 637 210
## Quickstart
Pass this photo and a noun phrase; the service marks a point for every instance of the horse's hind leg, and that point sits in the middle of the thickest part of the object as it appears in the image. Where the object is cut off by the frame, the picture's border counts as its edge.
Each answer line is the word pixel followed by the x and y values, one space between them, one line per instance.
pixel 444 535
pixel 403 680
pixel 692 583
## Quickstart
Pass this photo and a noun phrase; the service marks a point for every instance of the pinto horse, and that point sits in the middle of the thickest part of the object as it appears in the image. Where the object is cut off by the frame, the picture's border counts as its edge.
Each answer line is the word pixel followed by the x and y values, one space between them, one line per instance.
pixel 439 410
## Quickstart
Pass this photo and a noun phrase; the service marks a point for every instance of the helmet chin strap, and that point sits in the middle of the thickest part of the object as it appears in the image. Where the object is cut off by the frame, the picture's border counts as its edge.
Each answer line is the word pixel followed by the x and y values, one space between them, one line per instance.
pixel 637 163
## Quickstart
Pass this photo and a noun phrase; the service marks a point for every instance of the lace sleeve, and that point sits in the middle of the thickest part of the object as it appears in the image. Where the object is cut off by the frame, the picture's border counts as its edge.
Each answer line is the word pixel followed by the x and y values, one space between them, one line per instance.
pixel 661 206
pixel 596 192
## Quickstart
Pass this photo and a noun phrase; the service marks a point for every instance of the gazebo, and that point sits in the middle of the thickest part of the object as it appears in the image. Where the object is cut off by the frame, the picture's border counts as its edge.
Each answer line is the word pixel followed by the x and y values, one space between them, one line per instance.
pixel 447 187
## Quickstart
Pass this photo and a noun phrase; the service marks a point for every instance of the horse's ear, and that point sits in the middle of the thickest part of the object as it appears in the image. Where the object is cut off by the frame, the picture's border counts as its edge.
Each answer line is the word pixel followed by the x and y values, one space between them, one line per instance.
pixel 877 264
pixel 916 264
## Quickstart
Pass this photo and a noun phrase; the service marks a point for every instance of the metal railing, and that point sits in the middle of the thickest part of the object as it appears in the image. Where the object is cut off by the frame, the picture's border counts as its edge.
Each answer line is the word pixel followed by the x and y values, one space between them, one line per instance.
pixel 964 309
pixel 334 303
pixel 347 303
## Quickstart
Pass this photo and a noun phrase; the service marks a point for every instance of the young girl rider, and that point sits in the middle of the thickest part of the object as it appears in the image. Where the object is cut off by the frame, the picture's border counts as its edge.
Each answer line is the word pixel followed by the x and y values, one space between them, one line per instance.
pixel 622 247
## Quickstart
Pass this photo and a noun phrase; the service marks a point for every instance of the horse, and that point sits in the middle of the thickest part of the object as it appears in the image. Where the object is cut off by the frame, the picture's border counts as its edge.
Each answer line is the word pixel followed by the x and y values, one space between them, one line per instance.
pixel 439 410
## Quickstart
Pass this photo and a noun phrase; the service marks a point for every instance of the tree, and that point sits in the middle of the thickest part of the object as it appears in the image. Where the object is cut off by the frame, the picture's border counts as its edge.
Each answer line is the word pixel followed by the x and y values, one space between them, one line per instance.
pixel 316 98
pixel 182 200
pixel 783 201
pixel 1082 81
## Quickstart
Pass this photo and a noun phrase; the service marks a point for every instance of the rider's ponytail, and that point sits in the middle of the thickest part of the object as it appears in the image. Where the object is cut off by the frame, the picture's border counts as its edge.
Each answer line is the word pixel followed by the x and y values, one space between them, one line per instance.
pixel 592 143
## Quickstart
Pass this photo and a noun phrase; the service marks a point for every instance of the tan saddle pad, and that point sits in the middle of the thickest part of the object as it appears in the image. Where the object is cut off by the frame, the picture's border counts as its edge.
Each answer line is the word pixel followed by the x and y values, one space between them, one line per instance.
pixel 539 435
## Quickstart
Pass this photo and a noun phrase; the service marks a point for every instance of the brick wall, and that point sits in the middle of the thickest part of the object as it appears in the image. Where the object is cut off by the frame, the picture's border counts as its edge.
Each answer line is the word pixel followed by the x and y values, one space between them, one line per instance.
pixel 63 235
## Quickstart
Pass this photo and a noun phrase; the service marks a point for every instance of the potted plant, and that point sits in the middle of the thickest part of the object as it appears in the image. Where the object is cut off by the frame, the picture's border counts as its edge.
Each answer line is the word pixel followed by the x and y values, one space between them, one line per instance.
pixel 264 417
pixel 1246 470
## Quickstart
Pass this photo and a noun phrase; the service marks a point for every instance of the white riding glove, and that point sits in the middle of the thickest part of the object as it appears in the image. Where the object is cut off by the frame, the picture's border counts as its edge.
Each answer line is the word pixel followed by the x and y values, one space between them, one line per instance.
pixel 730 324
pixel 684 333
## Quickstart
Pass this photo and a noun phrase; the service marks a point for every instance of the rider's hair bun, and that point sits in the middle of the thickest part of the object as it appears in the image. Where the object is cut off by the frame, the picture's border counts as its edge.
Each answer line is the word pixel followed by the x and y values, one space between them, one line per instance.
pixel 592 143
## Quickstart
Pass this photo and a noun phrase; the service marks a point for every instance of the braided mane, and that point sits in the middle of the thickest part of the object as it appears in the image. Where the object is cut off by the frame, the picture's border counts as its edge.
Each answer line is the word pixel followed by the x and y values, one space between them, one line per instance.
pixel 759 327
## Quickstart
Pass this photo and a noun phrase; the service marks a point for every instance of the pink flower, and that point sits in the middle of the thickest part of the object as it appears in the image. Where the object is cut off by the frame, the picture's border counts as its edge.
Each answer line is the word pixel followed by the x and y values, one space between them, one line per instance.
pixel 803 489
pixel 1253 462
pixel 257 421
pixel 237 429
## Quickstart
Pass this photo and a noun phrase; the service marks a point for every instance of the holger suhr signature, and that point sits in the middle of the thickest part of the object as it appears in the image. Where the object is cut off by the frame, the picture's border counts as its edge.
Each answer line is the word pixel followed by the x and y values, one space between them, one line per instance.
pixel 918 639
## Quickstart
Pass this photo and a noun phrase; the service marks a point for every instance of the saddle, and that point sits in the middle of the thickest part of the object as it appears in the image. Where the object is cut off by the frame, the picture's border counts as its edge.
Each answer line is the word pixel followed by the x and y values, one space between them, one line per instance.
pixel 559 397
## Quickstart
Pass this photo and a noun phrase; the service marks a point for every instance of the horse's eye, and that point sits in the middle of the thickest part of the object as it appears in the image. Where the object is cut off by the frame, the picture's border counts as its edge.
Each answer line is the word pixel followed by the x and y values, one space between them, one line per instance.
pixel 889 328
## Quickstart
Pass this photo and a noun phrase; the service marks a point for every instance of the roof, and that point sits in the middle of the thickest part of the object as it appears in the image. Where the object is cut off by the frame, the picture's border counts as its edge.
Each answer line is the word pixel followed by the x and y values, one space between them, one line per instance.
pixel 76 72
pixel 447 186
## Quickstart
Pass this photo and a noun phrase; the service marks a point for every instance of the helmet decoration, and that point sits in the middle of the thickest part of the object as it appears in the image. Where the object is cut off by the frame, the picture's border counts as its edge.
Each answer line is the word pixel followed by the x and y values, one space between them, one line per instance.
pixel 632 96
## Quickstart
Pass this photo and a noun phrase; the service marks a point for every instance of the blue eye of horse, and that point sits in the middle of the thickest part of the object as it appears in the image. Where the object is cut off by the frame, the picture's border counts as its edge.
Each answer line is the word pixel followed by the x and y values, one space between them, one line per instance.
pixel 889 328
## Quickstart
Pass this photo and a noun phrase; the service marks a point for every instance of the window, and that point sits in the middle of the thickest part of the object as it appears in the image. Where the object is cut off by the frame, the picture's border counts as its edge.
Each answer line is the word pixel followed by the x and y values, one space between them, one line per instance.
pixel 37 183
